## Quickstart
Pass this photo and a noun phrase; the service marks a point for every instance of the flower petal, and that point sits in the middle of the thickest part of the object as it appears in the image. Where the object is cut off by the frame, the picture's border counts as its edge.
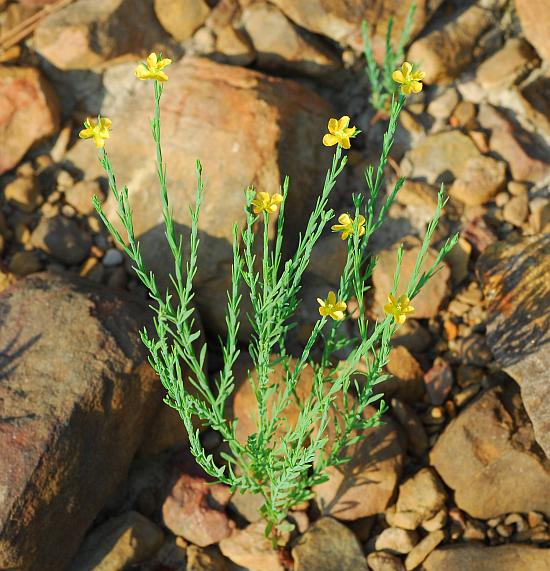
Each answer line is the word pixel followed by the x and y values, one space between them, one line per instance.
pixel 343 123
pixel 160 76
pixel 337 315
pixel 277 198
pixel 332 125
pixel 350 131
pixel 163 63
pixel 397 76
pixel 344 219
pixel 152 60
pixel 344 142
pixel 141 72
pixel 392 299
pixel 331 298
pixel 329 140
pixel 406 68
pixel 86 133
pixel 416 86
pixel 418 75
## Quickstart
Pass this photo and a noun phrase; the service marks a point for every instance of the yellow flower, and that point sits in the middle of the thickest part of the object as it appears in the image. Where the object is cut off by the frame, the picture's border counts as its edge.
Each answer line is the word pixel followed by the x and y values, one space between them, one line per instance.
pixel 331 307
pixel 153 68
pixel 346 225
pixel 400 308
pixel 411 82
pixel 264 202
pixel 339 132
pixel 96 130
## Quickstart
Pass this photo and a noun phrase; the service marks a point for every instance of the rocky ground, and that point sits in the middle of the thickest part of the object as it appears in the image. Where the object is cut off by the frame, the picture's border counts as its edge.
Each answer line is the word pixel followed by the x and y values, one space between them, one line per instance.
pixel 94 473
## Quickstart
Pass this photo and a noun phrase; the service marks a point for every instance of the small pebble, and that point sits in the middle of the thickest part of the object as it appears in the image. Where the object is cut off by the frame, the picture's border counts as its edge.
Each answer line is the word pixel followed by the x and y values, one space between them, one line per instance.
pixel 112 258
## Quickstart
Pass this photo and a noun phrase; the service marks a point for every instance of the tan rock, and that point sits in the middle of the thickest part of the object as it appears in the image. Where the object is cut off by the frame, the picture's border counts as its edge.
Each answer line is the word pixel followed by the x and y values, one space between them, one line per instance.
pixel 478 557
pixel 417 439
pixel 77 422
pixel 396 540
pixel 533 14
pixel 234 47
pixel 407 382
pixel 80 195
pixel 423 549
pixel 504 67
pixel 433 294
pixel 279 45
pixel 181 18
pixel 205 559
pixel 88 33
pixel 440 157
pixel 328 546
pixel 514 145
pixel 23 192
pixel 474 453
pixel 381 561
pixel 480 181
pixel 446 51
pixel 129 539
pixel 251 130
pixel 342 22
pixel 250 548
pixel 29 112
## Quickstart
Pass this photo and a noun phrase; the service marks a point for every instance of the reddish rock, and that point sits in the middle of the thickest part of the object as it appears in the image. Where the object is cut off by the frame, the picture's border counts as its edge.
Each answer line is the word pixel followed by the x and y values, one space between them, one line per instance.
pixel 514 145
pixel 247 128
pixel 29 112
pixel 439 381
pixel 75 400
pixel 195 508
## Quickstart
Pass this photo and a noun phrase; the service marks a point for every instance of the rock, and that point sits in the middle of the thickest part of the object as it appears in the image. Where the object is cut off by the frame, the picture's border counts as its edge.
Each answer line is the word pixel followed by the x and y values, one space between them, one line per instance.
pixel 80 195
pixel 407 382
pixel 63 239
pixel 342 23
pixel 516 210
pixel 234 47
pixel 420 498
pixel 433 294
pixel 328 260
pixel 439 381
pixel 6 279
pixel 515 146
pixel 476 557
pixel 166 432
pixel 474 453
pixel 205 559
pixel 446 51
pixel 533 98
pixel 423 549
pixel 88 33
pixel 122 541
pixel 514 275
pixel 29 112
pixel 359 488
pixel 478 234
pixel 248 505
pixel 473 350
pixel 328 546
pixel 250 548
pixel 417 439
pixel 464 116
pixel 418 193
pixel 443 105
pixel 539 219
pixel 24 263
pixel 396 540
pixel 365 485
pixel 234 155
pixel 381 561
pixel 77 397
pixel 413 336
pixel 480 181
pixel 195 508
pixel 181 19
pixel 279 45
pixel 112 258
pixel 507 65
pixel 23 192
pixel 440 157
pixel 532 16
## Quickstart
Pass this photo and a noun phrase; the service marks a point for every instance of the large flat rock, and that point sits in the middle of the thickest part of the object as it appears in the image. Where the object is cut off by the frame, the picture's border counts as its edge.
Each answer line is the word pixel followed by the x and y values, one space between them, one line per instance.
pixel 76 396
pixel 516 283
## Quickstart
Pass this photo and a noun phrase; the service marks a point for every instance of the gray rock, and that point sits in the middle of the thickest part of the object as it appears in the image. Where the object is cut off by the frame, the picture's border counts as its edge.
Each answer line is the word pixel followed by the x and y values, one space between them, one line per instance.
pixel 63 239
